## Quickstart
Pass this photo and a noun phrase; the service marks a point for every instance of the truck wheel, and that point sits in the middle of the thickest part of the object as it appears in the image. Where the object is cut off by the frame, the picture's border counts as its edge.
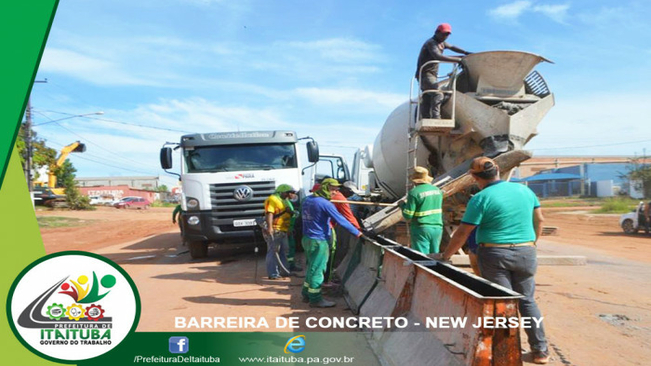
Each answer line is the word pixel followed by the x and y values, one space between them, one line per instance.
pixel 628 227
pixel 198 249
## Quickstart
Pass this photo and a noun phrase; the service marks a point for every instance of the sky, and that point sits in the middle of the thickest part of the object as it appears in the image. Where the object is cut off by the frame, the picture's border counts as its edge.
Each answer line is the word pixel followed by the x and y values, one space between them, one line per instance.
pixel 333 70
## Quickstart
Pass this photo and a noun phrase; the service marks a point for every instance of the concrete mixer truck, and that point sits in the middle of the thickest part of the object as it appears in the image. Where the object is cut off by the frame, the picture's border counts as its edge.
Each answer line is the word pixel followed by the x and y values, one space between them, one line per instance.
pixel 494 101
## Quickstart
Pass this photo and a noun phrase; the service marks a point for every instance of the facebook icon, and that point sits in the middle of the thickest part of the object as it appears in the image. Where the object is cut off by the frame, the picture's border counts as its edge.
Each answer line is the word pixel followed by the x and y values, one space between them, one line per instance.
pixel 179 345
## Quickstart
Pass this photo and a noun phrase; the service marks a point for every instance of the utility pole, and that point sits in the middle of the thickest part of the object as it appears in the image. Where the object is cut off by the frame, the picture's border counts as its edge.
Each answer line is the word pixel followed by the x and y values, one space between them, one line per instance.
pixel 28 144
pixel 28 139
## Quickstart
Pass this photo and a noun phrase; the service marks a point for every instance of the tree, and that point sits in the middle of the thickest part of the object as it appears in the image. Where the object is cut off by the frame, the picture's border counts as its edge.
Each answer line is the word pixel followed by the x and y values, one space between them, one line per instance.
pixel 163 188
pixel 41 154
pixel 640 175
pixel 74 198
pixel 64 172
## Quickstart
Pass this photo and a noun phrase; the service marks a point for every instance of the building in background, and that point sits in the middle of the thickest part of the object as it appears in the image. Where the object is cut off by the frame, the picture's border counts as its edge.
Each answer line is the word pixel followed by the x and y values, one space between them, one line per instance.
pixel 562 176
pixel 553 184
pixel 110 189
pixel 109 194
pixel 151 183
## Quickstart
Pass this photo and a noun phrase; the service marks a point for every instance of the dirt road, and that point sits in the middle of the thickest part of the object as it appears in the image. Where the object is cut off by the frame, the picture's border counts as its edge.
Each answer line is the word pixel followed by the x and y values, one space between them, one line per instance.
pixel 598 314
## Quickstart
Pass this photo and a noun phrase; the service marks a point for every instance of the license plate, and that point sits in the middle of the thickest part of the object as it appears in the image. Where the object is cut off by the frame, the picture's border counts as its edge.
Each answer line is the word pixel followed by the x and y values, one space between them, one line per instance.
pixel 240 223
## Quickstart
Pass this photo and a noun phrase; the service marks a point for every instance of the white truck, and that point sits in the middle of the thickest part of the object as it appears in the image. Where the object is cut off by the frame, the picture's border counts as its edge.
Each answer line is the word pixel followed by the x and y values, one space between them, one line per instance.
pixel 226 178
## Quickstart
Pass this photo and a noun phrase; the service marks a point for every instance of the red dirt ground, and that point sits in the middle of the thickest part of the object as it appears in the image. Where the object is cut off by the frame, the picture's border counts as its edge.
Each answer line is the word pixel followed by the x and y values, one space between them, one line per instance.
pixel 598 314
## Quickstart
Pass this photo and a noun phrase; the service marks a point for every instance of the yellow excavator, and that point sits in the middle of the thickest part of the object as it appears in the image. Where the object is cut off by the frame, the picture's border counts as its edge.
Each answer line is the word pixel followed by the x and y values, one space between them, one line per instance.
pixel 49 194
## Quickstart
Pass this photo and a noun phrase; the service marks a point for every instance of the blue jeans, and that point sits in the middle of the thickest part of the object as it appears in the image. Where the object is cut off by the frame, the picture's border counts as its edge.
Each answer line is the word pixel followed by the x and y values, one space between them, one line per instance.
pixel 279 241
pixel 514 268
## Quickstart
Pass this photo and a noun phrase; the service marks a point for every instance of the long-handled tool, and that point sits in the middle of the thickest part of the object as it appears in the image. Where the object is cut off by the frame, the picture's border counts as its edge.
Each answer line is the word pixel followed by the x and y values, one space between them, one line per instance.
pixel 364 203
pixel 262 223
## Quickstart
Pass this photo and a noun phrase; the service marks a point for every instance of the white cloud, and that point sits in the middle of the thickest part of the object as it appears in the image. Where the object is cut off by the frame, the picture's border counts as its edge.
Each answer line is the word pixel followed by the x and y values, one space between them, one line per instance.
pixel 361 98
pixel 513 11
pixel 595 120
pixel 136 148
pixel 171 61
pixel 338 50
pixel 318 60
pixel 557 13
pixel 87 68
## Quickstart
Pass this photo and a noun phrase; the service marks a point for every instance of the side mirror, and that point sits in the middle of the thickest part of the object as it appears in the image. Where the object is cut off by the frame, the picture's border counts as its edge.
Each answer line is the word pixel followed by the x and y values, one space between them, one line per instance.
pixel 312 151
pixel 166 158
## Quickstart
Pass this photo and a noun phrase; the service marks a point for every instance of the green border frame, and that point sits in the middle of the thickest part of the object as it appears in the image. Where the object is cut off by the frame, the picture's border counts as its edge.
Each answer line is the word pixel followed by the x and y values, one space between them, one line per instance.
pixel 10 295
pixel 27 7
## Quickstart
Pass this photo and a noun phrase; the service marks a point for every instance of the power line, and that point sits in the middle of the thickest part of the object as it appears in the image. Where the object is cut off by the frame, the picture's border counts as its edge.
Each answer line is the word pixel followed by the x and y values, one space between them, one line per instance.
pixel 126 123
pixel 101 162
pixel 114 166
pixel 89 141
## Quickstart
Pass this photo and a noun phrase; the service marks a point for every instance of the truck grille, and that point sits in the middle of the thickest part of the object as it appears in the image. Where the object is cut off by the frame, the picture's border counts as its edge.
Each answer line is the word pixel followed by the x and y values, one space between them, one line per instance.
pixel 225 206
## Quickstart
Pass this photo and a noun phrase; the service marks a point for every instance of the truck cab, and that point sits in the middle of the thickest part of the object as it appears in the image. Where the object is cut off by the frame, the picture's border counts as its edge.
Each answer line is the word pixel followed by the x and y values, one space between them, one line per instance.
pixel 226 177
pixel 330 166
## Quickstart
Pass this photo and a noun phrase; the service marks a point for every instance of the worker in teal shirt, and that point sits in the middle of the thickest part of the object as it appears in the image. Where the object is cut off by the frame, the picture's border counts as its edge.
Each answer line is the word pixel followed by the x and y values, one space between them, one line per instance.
pixel 508 219
pixel 423 212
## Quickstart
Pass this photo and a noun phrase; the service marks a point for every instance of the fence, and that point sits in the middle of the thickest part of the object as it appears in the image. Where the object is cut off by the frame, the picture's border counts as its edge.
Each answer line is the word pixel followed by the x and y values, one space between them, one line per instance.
pixel 556 188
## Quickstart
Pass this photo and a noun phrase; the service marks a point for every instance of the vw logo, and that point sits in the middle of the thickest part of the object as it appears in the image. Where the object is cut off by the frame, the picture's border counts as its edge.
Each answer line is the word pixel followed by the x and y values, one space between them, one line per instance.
pixel 243 193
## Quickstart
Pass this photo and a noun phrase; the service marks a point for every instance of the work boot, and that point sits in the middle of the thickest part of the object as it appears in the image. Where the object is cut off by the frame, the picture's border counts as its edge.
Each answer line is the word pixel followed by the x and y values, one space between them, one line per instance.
pixel 295 267
pixel 323 303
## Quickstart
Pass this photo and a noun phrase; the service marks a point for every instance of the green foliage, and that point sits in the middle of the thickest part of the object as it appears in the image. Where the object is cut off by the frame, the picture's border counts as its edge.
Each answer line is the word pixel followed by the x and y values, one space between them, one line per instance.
pixel 640 175
pixel 163 188
pixel 74 198
pixel 57 221
pixel 41 154
pixel 159 203
pixel 570 202
pixel 64 172
pixel 617 205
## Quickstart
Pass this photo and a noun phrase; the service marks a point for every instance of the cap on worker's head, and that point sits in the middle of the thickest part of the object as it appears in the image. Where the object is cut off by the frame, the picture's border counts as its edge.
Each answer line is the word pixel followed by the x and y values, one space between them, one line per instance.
pixel 483 164
pixel 315 187
pixel 285 188
pixel 330 182
pixel 444 28
pixel 421 175
pixel 352 187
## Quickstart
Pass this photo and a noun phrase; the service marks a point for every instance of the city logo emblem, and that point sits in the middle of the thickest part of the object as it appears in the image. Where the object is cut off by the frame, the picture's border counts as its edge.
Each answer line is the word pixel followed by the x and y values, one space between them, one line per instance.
pixel 179 345
pixel 72 306
pixel 295 344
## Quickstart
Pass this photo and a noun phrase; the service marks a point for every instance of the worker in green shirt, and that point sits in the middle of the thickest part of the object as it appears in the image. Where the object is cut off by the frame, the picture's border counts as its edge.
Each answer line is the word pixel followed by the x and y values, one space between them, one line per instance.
pixel 291 233
pixel 423 212
pixel 176 216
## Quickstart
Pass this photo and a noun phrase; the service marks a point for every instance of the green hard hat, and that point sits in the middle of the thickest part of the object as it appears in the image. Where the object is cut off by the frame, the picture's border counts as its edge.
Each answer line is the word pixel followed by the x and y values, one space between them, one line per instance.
pixel 285 188
pixel 330 182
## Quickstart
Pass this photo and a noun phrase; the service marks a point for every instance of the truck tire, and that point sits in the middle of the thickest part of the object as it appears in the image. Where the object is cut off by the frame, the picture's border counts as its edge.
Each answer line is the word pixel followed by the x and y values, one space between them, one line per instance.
pixel 198 249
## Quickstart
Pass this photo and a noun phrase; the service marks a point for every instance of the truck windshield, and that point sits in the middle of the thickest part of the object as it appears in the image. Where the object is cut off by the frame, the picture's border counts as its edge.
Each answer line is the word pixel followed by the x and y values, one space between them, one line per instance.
pixel 227 158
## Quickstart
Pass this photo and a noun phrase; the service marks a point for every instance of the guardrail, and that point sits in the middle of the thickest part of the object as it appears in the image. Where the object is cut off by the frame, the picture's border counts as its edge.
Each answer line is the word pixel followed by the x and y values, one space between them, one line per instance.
pixel 385 279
